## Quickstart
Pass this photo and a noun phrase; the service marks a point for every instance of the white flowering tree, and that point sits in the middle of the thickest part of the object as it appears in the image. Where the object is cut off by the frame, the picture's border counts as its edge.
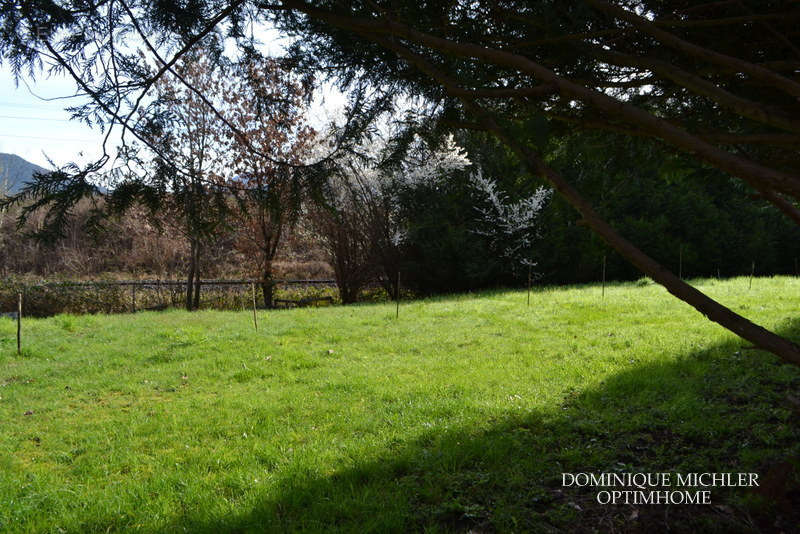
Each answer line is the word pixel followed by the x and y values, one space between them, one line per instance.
pixel 423 166
pixel 360 223
pixel 341 218
pixel 511 228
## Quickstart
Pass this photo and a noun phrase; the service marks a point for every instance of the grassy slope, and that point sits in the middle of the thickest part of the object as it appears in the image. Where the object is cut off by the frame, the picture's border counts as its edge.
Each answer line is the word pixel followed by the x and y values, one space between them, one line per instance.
pixel 460 415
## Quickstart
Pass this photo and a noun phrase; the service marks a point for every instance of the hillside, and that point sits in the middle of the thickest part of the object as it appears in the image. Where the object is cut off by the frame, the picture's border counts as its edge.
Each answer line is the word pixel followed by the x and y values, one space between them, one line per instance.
pixel 15 171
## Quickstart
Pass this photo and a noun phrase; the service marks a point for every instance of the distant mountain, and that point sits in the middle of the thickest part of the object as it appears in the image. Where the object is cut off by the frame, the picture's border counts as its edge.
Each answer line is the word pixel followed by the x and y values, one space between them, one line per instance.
pixel 15 171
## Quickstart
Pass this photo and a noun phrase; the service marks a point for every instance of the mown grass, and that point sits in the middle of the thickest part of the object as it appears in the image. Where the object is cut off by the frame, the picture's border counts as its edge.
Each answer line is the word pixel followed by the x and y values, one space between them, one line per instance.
pixel 460 415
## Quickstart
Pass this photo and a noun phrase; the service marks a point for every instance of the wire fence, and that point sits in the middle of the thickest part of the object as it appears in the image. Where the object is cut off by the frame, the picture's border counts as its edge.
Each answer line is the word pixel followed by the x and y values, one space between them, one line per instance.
pixel 129 296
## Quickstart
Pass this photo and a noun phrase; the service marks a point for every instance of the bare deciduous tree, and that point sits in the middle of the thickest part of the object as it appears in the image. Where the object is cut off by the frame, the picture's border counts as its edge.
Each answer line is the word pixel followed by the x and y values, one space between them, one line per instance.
pixel 360 219
pixel 187 172
pixel 510 226
pixel 267 107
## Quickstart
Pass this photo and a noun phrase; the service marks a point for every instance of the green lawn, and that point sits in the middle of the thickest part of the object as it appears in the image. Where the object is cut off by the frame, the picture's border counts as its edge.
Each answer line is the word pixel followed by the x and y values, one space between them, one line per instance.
pixel 460 415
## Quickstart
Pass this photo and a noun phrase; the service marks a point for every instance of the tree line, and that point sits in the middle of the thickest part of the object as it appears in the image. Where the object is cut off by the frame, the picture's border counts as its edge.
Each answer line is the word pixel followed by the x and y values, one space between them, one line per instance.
pixel 439 220
pixel 714 84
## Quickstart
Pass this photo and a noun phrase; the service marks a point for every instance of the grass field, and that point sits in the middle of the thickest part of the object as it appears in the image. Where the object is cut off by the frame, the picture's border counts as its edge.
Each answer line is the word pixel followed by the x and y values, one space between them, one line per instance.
pixel 459 416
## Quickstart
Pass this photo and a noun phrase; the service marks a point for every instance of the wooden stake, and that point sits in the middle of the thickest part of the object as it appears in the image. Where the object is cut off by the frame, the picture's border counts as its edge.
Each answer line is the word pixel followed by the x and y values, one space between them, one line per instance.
pixel 752 272
pixel 19 323
pixel 133 298
pixel 255 320
pixel 529 285
pixel 397 298
pixel 604 276
pixel 718 277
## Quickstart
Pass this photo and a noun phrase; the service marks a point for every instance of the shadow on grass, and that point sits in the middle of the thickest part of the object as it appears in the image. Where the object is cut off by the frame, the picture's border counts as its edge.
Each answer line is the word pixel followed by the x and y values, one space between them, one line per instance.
pixel 723 409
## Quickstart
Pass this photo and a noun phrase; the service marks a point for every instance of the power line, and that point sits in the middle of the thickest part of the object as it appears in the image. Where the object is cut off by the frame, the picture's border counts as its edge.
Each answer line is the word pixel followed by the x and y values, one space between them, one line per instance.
pixel 45 98
pixel 32 118
pixel 49 138
pixel 35 106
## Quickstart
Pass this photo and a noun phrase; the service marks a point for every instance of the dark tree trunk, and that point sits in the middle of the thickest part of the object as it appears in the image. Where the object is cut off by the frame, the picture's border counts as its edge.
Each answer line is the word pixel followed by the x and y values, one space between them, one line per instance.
pixel 196 304
pixel 342 284
pixel 190 277
pixel 346 280
pixel 390 284
pixel 348 293
pixel 268 286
